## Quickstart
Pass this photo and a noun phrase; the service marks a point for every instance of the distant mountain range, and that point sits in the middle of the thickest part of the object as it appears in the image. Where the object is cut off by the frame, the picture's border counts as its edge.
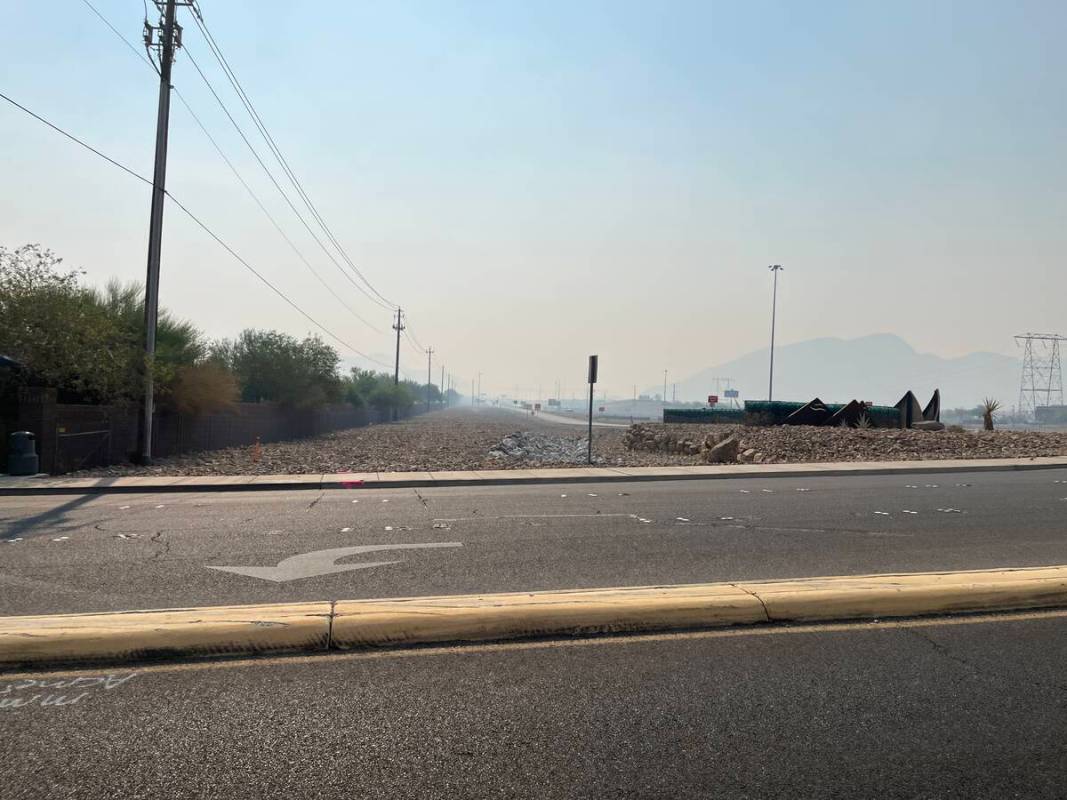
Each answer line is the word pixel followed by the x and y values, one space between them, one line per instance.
pixel 879 368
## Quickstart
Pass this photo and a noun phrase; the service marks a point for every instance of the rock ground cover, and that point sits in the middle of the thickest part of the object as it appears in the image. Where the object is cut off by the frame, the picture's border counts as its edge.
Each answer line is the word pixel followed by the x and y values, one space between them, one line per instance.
pixel 462 439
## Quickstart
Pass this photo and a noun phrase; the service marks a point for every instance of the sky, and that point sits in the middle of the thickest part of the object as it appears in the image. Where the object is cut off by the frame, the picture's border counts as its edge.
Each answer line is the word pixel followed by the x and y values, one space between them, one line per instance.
pixel 536 182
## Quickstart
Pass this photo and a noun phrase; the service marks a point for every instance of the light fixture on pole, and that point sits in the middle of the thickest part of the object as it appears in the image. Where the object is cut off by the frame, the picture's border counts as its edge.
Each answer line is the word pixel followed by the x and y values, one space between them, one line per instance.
pixel 775 268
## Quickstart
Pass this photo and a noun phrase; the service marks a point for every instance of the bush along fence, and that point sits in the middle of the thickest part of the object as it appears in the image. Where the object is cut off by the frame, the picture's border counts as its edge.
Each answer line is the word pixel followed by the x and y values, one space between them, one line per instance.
pixel 75 436
pixel 907 413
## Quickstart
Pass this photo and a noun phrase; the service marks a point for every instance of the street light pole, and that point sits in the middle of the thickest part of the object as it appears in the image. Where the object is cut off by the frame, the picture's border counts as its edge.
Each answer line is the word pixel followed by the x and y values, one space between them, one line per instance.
pixel 775 268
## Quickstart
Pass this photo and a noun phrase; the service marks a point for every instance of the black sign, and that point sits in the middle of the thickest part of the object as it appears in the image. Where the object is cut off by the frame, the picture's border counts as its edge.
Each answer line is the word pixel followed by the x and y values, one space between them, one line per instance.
pixel 592 368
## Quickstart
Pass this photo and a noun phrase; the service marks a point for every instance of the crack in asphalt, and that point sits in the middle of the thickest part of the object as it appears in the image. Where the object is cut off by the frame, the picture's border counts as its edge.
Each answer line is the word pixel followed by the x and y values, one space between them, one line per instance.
pixel 422 499
pixel 157 538
pixel 943 651
pixel 315 502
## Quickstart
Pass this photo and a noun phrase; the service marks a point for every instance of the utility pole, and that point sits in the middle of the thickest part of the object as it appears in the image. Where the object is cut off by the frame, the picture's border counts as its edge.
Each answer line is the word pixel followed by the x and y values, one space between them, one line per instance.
pixel 479 388
pixel 664 387
pixel 775 268
pixel 165 38
pixel 398 326
pixel 429 374
pixel 444 397
pixel 472 391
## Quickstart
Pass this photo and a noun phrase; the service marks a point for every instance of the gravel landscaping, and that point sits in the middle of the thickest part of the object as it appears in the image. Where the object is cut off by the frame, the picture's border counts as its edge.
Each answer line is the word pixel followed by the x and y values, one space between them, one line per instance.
pixel 463 439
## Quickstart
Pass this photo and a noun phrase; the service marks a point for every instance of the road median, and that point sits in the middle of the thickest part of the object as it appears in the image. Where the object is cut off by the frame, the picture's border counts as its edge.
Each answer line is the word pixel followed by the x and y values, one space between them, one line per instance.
pixel 349 624
pixel 46 485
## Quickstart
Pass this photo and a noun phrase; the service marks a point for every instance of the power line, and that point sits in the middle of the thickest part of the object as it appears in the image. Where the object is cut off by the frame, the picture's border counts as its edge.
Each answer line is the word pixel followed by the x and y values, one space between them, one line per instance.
pixel 122 38
pixel 274 181
pixel 199 222
pixel 233 169
pixel 250 108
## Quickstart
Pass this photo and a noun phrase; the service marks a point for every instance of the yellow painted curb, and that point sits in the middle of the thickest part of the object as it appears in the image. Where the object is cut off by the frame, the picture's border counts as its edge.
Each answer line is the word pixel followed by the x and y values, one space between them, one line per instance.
pixel 404 621
pixel 131 635
pixel 510 616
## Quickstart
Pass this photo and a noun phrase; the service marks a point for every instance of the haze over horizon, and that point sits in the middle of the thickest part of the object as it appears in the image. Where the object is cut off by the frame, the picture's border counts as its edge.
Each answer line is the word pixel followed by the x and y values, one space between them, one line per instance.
pixel 534 183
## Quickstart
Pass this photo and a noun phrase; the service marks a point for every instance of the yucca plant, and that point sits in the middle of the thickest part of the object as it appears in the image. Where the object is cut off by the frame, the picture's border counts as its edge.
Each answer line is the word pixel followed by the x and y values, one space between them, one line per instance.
pixel 989 408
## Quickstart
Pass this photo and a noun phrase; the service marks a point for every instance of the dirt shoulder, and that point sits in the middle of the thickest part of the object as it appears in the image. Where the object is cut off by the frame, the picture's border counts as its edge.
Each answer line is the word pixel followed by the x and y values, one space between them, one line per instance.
pixel 461 439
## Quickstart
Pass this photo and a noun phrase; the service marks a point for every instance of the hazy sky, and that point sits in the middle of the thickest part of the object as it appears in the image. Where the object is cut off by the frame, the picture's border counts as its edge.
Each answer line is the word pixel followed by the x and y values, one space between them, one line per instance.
pixel 537 181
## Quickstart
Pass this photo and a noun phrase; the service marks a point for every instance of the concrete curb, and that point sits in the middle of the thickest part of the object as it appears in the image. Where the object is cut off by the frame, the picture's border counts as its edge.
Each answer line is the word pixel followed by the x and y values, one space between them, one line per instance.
pixel 43 485
pixel 341 625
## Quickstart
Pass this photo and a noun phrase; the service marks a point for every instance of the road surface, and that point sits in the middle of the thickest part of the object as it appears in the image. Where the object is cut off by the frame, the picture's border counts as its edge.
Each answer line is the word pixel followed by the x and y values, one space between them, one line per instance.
pixel 82 553
pixel 965 709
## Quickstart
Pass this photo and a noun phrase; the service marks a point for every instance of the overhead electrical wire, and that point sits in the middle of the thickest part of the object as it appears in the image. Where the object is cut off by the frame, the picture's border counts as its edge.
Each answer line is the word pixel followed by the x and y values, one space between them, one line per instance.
pixel 143 57
pixel 200 223
pixel 261 126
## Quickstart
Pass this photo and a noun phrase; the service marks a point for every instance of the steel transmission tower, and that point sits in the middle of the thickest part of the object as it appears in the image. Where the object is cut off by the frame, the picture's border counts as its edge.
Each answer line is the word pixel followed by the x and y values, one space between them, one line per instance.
pixel 1042 379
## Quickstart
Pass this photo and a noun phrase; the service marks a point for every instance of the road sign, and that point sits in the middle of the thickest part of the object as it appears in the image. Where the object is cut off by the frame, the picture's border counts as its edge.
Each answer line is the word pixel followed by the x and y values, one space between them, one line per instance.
pixel 731 394
pixel 601 409
pixel 592 368
pixel 713 399
pixel 321 562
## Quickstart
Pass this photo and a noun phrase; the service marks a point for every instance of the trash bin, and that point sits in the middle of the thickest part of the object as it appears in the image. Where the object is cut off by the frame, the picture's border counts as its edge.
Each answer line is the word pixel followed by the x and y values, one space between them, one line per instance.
pixel 22 453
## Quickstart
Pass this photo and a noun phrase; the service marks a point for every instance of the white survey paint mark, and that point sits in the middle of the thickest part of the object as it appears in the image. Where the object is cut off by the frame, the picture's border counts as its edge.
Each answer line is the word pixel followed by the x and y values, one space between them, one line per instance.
pixel 123 508
pixel 767 491
pixel 905 511
pixel 19 538
pixel 882 513
pixel 388 527
pixel 745 491
pixel 911 486
pixel 803 490
pixel 726 519
pixel 355 501
pixel 61 539
pixel 161 506
pixel 563 495
pixel 592 495
pixel 24 693
pixel 345 530
pixel 127 536
pixel 385 500
pixel 322 562
pixel 682 519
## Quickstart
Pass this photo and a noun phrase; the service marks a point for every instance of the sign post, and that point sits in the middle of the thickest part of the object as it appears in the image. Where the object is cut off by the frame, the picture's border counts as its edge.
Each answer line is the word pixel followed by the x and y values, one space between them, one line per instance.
pixel 592 382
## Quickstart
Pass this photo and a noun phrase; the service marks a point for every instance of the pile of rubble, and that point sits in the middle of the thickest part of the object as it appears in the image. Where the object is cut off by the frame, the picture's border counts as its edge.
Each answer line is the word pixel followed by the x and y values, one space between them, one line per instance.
pixel 721 445
pixel 539 448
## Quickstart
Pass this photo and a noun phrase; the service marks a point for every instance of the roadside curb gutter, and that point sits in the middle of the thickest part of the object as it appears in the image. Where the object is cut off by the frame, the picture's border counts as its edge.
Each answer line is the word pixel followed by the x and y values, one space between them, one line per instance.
pixel 348 624
pixel 45 485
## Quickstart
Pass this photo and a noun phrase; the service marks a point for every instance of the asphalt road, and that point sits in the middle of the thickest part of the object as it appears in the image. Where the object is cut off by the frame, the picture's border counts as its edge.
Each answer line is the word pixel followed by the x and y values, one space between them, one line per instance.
pixel 86 553
pixel 953 709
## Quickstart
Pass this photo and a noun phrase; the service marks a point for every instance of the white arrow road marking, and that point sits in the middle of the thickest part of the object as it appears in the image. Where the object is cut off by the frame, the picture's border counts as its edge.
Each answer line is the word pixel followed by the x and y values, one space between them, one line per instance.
pixel 321 562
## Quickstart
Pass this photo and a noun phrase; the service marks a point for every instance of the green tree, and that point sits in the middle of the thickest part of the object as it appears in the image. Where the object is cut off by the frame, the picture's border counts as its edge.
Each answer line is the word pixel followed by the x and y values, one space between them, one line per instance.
pixel 57 331
pixel 274 366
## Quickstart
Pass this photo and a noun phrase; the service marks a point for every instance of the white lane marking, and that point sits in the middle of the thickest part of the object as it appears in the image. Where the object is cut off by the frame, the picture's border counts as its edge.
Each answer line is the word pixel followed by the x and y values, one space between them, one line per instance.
pixel 726 519
pixel 61 539
pixel 19 538
pixel 745 491
pixel 905 511
pixel 682 519
pixel 882 513
pixel 123 508
pixel 355 501
pixel 767 491
pixel 592 495
pixel 161 506
pixel 345 530
pixel 322 562
pixel 388 527
pixel 950 510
